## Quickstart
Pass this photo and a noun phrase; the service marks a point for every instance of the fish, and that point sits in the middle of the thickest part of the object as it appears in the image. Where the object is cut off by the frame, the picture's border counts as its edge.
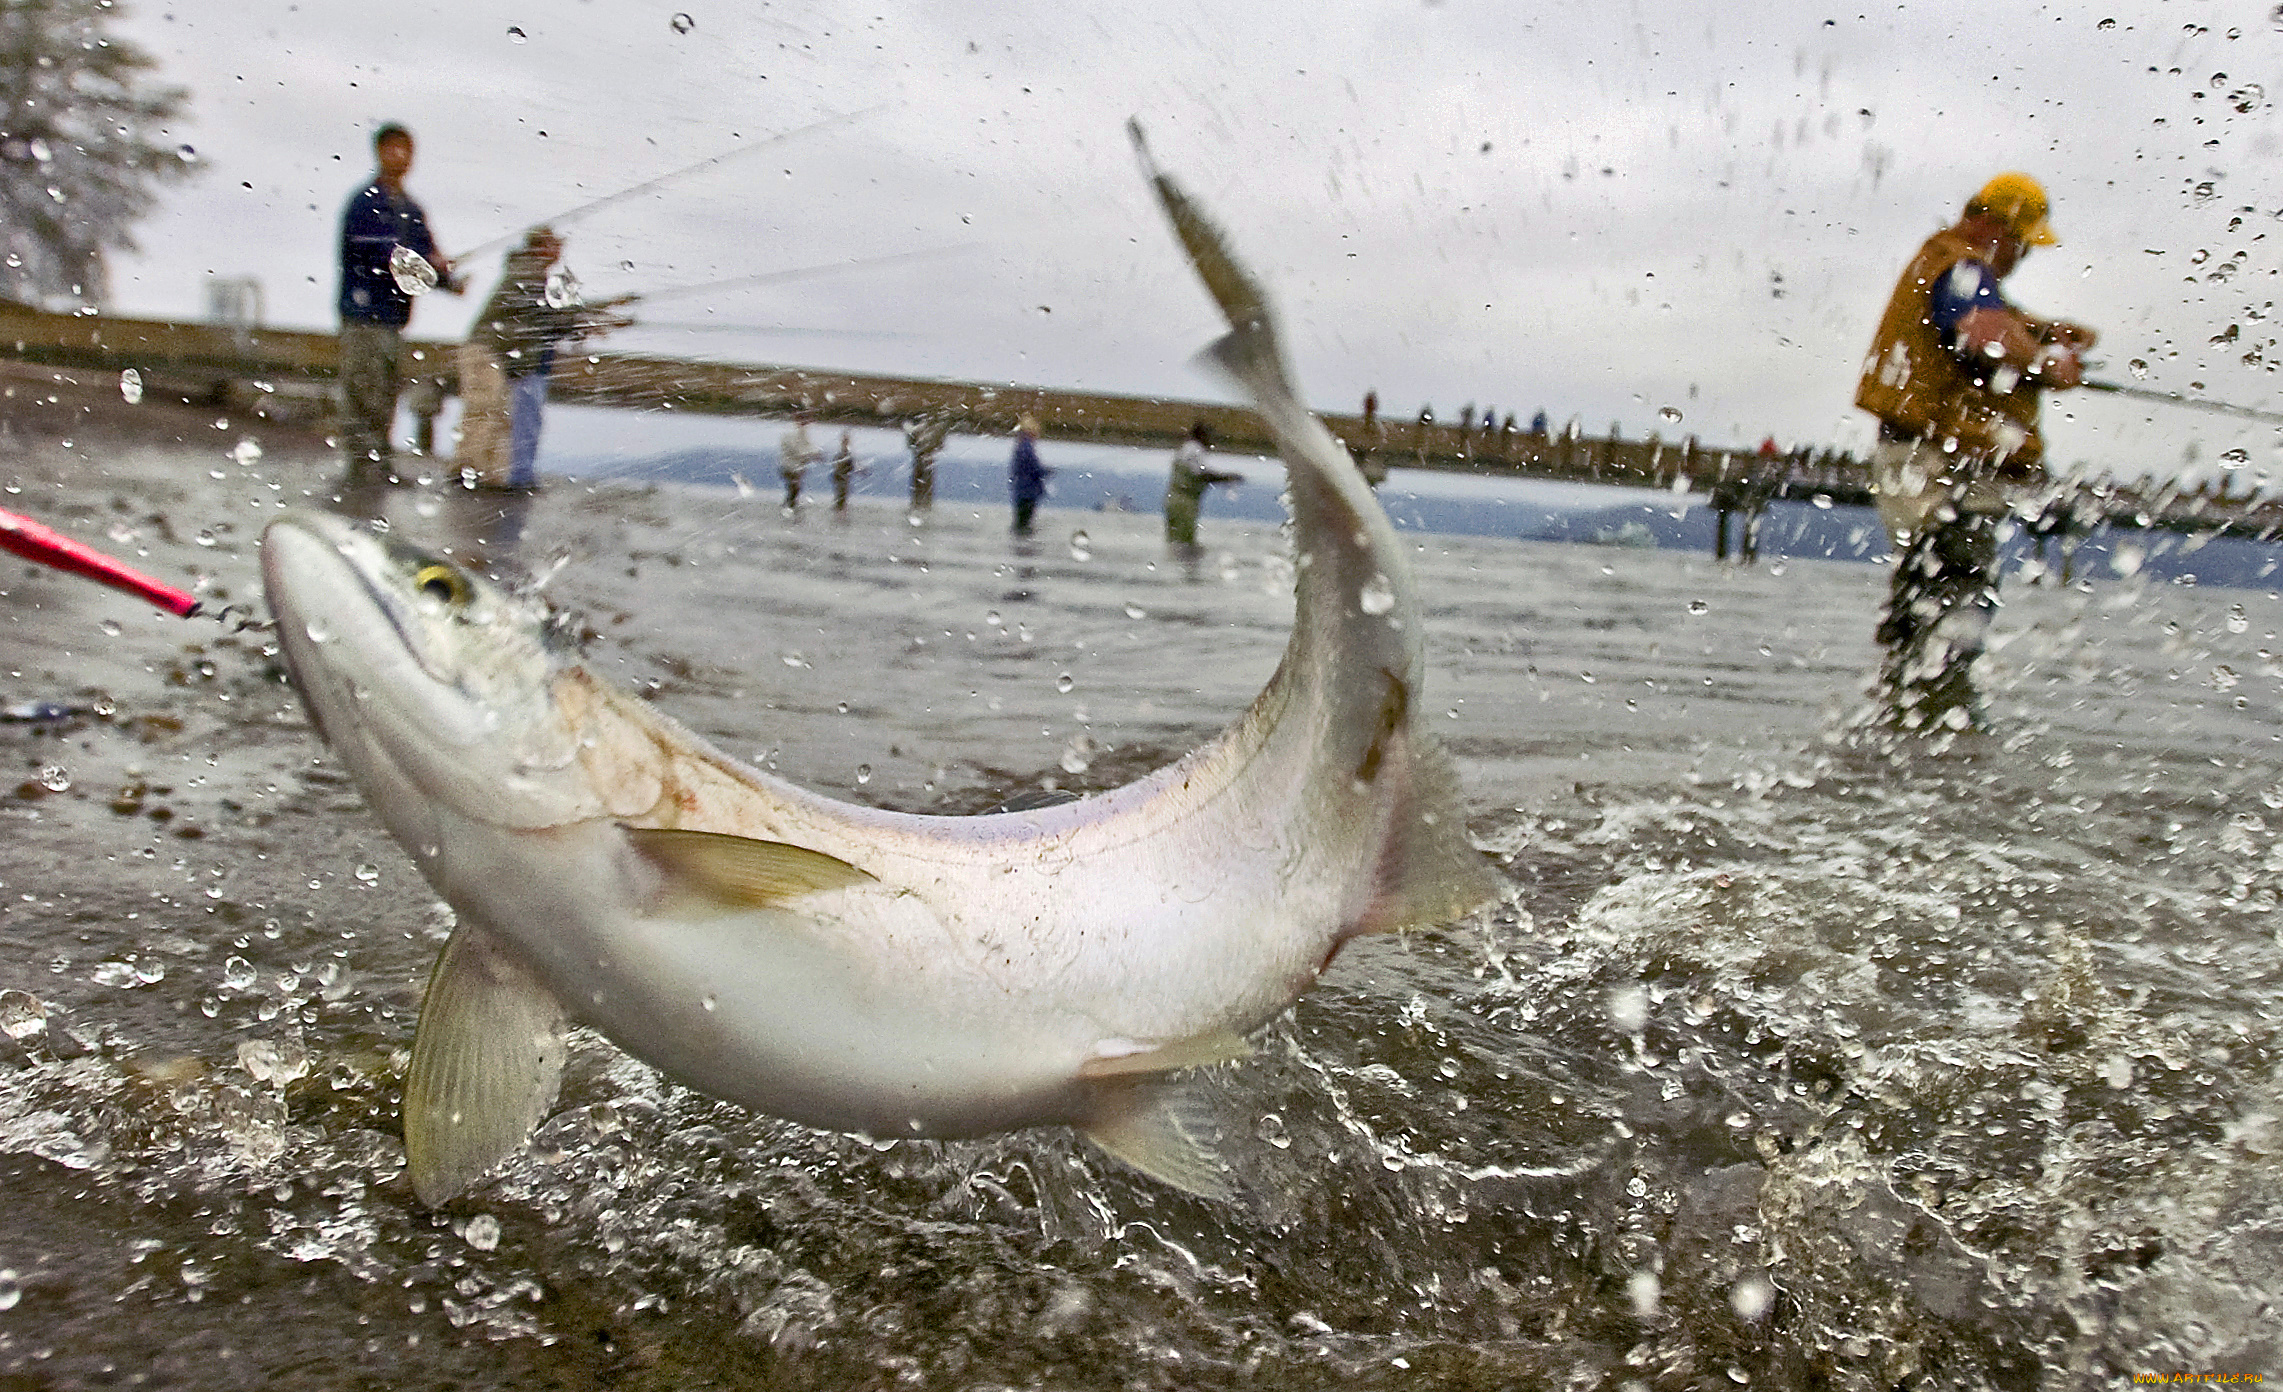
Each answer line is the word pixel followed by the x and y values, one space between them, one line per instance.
pixel 856 969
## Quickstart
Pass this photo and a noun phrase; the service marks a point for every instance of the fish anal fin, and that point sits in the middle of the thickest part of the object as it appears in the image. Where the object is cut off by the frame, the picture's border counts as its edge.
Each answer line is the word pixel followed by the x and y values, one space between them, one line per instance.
pixel 1118 1058
pixel 1429 872
pixel 1162 1129
pixel 487 1059
pixel 736 873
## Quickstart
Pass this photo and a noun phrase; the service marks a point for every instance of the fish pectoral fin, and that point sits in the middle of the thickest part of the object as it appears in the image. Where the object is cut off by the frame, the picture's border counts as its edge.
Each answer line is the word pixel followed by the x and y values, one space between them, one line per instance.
pixel 736 873
pixel 1124 1058
pixel 1165 1130
pixel 487 1059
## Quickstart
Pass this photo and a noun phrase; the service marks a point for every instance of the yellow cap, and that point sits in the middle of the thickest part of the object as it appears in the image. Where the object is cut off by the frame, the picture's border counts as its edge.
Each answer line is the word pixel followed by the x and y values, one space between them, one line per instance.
pixel 2020 203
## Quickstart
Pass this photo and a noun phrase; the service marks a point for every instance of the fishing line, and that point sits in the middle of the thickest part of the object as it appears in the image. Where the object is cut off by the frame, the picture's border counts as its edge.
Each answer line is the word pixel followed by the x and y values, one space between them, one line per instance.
pixel 2197 403
pixel 415 276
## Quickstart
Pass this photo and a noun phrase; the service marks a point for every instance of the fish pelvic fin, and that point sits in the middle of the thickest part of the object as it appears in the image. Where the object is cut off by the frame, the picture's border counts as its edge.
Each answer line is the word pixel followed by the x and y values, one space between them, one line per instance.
pixel 1123 1058
pixel 1163 1129
pixel 731 874
pixel 487 1059
pixel 1429 872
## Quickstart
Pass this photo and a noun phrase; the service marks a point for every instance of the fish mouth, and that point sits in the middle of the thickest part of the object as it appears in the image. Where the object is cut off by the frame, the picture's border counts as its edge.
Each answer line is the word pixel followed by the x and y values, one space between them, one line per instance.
pixel 306 553
pixel 325 573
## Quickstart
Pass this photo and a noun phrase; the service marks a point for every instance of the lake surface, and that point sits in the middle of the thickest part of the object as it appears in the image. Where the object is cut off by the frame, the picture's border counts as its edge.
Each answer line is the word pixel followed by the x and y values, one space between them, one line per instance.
pixel 1799 1058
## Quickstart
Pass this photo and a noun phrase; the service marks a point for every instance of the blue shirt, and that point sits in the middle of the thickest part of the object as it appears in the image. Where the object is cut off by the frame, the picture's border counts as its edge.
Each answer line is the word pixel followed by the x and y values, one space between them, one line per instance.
pixel 1024 472
pixel 1968 286
pixel 374 224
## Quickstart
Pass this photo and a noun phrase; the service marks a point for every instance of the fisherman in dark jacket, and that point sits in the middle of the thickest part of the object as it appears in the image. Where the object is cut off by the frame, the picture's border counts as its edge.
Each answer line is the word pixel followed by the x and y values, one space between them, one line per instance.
pixel 385 242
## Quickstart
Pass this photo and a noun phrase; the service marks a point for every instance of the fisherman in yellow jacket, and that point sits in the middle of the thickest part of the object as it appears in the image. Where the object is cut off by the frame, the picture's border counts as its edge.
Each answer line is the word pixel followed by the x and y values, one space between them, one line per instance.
pixel 1954 377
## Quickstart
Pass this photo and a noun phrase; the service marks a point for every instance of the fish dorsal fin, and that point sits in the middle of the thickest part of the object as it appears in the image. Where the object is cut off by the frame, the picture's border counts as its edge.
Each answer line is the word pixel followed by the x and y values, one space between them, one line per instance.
pixel 486 1061
pixel 1164 1129
pixel 736 873
pixel 1124 1058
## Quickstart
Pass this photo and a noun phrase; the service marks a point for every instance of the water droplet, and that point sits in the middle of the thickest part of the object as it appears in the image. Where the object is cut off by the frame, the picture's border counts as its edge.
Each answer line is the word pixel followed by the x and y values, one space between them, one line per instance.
pixel 55 778
pixel 482 1232
pixel 710 1004
pixel 413 273
pixel 683 24
pixel 131 386
pixel 515 34
pixel 120 975
pixel 22 1014
pixel 1377 595
pixel 1750 1298
pixel 278 1061
pixel 1669 414
pixel 238 974
pixel 1698 606
pixel 1135 611
pixel 1065 683
pixel 1078 755
pixel 2139 368
pixel 1644 1290
pixel 11 1289
pixel 863 773
pixel 368 874
pixel 1081 546
pixel 2238 620
pixel 246 453
pixel 1270 1128
pixel 188 154
pixel 2106 24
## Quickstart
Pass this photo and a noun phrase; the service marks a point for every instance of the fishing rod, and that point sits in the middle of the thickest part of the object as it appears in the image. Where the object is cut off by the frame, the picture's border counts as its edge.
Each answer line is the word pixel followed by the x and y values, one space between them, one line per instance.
pixel 2193 402
pixel 416 277
pixel 777 330
pixel 49 547
pixel 862 263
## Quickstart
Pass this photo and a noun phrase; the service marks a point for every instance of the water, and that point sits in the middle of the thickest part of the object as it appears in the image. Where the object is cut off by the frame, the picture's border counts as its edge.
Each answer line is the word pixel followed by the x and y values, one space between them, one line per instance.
pixel 1797 1059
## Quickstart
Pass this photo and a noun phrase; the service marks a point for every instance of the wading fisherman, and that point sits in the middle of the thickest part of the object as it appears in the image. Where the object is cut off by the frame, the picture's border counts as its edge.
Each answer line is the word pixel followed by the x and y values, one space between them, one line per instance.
pixel 1954 377
pixel 1185 489
pixel 508 356
pixel 374 309
pixel 1026 476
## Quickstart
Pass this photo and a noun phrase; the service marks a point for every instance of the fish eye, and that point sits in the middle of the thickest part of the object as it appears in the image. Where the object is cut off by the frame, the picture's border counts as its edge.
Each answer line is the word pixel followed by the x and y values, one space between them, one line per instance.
pixel 442 582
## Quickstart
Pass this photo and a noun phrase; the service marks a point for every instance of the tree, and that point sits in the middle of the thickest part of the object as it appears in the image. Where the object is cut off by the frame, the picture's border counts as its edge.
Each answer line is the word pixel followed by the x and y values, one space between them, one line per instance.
pixel 80 147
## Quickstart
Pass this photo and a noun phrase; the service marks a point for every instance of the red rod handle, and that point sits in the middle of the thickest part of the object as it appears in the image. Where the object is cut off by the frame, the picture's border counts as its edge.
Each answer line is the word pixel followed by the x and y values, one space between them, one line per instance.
pixel 52 548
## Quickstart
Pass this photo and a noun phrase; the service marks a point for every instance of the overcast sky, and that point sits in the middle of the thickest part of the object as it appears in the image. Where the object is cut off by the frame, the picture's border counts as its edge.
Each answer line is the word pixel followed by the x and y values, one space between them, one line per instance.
pixel 1611 212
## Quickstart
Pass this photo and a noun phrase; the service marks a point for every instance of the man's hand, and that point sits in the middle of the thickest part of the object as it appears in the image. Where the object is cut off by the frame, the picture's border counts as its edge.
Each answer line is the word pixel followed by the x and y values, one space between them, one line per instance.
pixel 2058 365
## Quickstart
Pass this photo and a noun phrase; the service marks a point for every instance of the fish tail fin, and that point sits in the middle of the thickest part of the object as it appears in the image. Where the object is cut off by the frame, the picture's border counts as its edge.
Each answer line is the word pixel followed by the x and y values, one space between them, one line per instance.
pixel 1240 297
pixel 1251 352
pixel 1164 1129
pixel 1429 872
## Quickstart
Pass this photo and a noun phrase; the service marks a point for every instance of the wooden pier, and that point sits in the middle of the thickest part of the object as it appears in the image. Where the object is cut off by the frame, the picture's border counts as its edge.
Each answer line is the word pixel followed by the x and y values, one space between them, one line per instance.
pixel 287 373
